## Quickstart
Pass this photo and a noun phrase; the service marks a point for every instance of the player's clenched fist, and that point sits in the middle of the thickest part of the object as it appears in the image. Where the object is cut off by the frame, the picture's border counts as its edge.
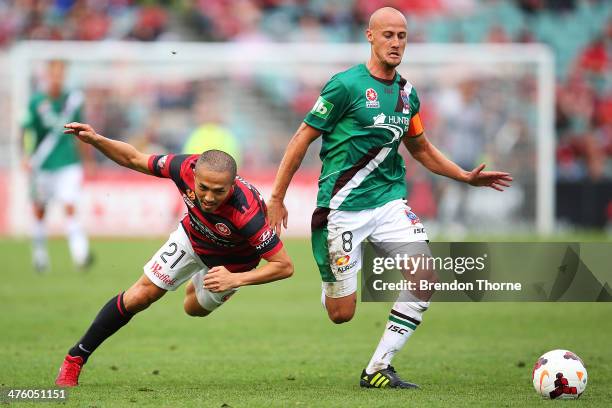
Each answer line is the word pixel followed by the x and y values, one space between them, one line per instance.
pixel 83 131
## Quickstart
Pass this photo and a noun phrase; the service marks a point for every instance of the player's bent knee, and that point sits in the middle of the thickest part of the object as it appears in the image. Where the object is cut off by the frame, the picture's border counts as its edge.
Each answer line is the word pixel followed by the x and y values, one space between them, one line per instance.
pixel 141 295
pixel 341 312
pixel 139 300
pixel 340 316
pixel 341 309
pixel 193 308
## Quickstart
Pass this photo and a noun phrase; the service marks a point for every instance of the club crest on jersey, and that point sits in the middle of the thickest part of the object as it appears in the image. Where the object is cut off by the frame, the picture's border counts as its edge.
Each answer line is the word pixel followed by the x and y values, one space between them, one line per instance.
pixel 406 101
pixel 222 229
pixel 371 98
pixel 414 219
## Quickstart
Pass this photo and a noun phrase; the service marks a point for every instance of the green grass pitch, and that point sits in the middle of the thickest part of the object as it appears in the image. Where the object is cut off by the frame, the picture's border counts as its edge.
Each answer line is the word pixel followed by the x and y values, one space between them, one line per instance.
pixel 273 345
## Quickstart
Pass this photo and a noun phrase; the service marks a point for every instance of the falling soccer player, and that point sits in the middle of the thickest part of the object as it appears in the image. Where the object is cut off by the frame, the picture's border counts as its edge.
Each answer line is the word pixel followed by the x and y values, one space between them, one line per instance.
pixel 217 245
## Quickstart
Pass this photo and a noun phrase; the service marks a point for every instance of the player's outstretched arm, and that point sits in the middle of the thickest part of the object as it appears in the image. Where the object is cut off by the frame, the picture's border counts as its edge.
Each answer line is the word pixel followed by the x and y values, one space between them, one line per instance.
pixel 279 266
pixel 429 156
pixel 121 153
pixel 294 154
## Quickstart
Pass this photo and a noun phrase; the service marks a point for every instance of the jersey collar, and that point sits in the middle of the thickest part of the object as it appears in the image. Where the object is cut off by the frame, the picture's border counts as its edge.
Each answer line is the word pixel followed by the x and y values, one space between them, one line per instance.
pixel 387 82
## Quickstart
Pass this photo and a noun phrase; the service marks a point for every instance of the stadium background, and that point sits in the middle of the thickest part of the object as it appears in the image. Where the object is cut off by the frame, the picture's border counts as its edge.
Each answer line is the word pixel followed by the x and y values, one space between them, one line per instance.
pixel 266 324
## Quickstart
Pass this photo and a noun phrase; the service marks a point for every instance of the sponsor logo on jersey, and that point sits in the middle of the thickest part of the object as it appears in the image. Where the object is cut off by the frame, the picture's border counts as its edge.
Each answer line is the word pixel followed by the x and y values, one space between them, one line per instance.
pixel 412 217
pixel 371 98
pixel 343 260
pixel 267 234
pixel 397 131
pixel 265 238
pixel 161 163
pixel 379 119
pixel 204 230
pixel 322 108
pixel 223 229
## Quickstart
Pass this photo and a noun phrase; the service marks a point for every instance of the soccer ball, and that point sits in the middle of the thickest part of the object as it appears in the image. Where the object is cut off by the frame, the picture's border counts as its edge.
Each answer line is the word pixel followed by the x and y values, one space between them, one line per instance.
pixel 559 374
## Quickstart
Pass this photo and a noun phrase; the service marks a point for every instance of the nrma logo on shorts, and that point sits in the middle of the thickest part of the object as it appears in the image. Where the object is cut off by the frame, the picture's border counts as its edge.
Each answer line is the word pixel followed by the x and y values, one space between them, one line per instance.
pixel 344 263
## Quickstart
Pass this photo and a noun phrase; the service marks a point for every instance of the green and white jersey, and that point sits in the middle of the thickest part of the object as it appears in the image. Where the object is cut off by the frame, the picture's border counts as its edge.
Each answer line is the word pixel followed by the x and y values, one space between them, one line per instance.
pixel 363 120
pixel 50 148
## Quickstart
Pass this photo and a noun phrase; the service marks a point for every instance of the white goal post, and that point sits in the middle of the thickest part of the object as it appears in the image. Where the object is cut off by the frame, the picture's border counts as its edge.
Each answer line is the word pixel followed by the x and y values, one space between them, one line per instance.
pixel 429 67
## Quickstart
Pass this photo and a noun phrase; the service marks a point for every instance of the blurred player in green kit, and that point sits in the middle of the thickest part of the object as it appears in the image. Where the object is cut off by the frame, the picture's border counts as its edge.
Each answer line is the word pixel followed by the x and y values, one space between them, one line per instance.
pixel 53 161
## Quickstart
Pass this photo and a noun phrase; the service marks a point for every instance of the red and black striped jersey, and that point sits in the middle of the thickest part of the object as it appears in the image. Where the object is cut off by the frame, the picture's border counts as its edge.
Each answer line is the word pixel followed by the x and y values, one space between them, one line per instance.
pixel 237 234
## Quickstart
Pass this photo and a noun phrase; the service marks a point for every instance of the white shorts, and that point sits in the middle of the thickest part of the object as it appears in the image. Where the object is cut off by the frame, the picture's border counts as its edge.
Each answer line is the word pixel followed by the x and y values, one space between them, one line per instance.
pixel 338 254
pixel 63 184
pixel 175 262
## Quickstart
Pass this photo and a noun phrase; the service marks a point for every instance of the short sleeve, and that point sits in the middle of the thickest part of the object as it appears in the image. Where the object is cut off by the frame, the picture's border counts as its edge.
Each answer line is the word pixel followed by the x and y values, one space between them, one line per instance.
pixel 168 166
pixel 329 107
pixel 260 235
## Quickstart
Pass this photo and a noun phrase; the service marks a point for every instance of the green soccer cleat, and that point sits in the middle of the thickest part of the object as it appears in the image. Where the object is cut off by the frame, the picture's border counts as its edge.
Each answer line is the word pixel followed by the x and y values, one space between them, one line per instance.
pixel 386 378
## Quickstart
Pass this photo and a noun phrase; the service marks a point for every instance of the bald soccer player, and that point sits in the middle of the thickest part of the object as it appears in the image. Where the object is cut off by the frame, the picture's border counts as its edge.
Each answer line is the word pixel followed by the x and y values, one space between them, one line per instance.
pixel 216 247
pixel 364 114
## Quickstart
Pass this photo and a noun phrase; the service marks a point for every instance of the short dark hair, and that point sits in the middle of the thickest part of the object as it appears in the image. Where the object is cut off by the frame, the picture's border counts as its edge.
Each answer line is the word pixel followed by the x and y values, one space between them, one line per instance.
pixel 219 161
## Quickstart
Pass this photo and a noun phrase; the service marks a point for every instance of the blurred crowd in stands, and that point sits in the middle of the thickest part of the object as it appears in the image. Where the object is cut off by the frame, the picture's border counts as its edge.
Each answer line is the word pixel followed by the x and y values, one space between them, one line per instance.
pixel 578 31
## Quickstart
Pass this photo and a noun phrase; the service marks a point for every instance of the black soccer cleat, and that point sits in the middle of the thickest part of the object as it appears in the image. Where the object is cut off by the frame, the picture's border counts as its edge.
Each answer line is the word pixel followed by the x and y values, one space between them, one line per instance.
pixel 386 378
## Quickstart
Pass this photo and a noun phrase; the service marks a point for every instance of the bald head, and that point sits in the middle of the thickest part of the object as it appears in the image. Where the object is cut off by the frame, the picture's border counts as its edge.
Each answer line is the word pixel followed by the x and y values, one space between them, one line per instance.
pixel 386 16
pixel 387 32
pixel 218 161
